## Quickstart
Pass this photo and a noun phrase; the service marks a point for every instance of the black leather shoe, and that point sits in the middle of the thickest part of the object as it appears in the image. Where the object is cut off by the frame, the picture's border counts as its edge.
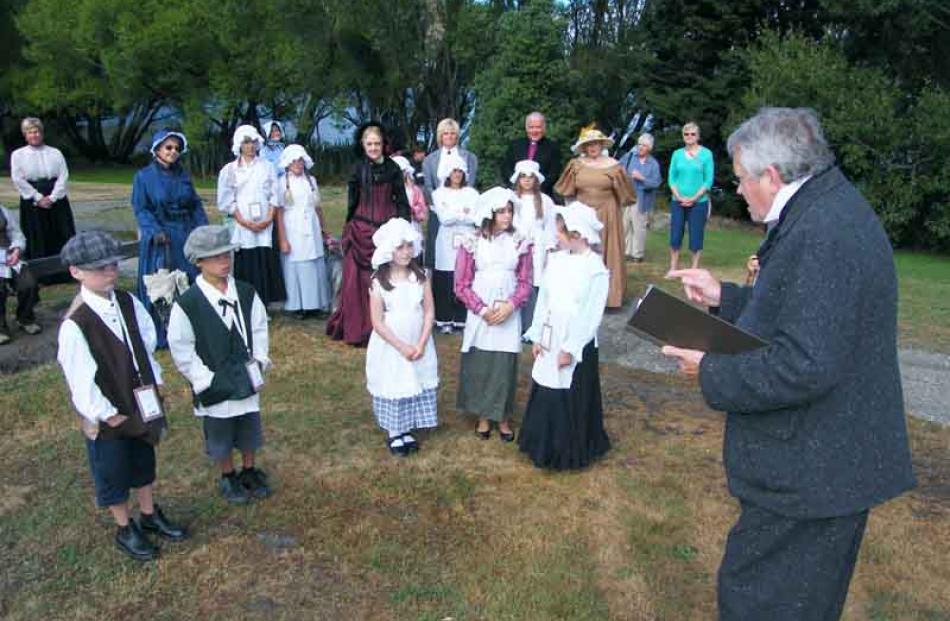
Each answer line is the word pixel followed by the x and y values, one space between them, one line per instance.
pixel 411 444
pixel 255 482
pixel 232 490
pixel 506 437
pixel 398 451
pixel 157 523
pixel 131 540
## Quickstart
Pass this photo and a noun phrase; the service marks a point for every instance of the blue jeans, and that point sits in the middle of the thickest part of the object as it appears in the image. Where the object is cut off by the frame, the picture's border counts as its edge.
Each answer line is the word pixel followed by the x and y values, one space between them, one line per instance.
pixel 695 217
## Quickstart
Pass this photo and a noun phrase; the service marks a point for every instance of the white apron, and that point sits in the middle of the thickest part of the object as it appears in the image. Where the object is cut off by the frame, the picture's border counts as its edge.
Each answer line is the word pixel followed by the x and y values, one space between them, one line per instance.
pixel 300 219
pixel 566 285
pixel 496 261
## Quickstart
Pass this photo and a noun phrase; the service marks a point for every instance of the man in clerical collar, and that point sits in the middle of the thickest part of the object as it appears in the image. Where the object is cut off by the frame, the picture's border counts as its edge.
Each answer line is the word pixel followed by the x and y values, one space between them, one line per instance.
pixel 538 147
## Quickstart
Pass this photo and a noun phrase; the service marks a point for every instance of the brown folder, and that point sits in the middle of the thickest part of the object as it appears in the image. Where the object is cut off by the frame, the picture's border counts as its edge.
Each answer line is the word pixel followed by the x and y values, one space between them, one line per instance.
pixel 665 319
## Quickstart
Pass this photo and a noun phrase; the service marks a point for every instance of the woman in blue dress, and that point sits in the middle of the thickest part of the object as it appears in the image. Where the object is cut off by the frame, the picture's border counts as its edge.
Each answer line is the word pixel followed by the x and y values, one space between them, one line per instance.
pixel 167 209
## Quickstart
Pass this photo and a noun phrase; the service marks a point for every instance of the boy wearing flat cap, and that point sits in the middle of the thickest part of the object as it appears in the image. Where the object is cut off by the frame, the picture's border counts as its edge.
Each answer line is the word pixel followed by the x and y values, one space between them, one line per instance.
pixel 106 346
pixel 217 336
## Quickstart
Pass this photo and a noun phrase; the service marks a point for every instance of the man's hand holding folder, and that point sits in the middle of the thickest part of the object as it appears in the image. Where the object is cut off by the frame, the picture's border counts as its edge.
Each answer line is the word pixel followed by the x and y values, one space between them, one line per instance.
pixel 703 288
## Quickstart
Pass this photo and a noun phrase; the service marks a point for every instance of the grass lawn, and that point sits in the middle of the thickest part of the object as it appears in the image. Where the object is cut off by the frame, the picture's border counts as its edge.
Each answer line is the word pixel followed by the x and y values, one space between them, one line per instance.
pixel 465 530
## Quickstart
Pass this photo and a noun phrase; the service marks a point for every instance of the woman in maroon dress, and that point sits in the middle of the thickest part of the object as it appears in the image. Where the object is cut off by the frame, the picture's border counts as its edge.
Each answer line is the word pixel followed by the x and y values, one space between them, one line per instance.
pixel 375 194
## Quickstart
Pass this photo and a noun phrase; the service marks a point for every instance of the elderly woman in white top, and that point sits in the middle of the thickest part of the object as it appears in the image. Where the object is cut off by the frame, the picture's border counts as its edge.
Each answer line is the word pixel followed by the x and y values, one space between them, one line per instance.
pixel 300 233
pixel 40 175
pixel 247 191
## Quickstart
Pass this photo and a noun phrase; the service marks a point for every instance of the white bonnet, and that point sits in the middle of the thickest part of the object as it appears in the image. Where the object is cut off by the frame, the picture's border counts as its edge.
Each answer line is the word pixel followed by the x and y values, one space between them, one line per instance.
pixel 241 134
pixel 579 218
pixel 293 153
pixel 527 167
pixel 390 236
pixel 491 201
pixel 403 164
pixel 269 125
pixel 448 163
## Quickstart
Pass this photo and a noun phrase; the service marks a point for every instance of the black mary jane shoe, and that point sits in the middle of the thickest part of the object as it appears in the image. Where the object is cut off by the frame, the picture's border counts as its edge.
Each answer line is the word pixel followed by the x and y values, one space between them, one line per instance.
pixel 157 523
pixel 484 435
pixel 132 541
pixel 410 443
pixel 506 436
pixel 398 451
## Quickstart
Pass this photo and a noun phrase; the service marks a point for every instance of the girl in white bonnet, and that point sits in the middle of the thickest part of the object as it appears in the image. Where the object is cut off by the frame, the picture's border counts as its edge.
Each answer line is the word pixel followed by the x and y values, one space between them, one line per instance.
pixel 401 365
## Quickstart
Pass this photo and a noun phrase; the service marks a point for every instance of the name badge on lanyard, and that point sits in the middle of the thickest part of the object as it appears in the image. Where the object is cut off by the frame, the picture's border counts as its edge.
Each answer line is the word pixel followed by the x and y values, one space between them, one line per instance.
pixel 146 395
pixel 547 332
pixel 255 375
pixel 150 407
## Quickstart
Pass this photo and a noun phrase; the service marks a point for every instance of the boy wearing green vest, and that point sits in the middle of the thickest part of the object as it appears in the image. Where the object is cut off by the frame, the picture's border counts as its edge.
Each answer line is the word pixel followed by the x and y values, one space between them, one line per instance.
pixel 217 336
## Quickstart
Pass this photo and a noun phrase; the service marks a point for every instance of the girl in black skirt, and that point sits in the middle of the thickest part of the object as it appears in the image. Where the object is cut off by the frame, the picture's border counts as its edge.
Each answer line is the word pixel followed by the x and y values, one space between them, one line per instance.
pixel 563 425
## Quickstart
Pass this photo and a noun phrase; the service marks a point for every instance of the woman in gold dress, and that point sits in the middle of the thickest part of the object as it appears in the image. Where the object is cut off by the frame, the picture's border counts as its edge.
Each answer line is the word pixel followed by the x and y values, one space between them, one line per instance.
pixel 598 180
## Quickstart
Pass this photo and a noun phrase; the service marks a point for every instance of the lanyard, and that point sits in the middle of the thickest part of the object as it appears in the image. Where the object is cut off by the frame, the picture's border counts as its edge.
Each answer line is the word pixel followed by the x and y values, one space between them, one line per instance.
pixel 237 320
pixel 127 340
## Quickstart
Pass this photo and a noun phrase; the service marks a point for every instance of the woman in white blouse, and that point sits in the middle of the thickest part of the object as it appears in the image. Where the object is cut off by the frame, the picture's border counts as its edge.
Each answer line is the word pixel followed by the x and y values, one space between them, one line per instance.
pixel 247 191
pixel 40 175
pixel 300 234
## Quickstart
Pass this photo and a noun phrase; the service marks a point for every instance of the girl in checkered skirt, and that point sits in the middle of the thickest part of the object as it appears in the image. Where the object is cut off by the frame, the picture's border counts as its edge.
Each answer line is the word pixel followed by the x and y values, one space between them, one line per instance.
pixel 401 365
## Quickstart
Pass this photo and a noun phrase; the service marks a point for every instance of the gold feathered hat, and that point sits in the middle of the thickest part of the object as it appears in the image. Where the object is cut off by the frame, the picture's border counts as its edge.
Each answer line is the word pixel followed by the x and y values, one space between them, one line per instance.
pixel 590 133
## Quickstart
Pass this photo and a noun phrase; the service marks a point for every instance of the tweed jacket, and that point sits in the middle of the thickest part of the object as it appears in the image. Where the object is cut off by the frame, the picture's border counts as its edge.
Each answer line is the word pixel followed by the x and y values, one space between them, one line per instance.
pixel 815 425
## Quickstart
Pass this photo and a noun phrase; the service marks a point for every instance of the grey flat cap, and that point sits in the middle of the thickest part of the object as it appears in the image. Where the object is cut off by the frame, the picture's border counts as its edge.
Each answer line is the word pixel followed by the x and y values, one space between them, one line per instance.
pixel 91 250
pixel 208 241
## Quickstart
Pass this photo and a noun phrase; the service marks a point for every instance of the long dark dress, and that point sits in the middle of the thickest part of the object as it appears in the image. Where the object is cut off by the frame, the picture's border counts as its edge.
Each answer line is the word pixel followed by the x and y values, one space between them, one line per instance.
pixel 375 194
pixel 564 429
pixel 164 201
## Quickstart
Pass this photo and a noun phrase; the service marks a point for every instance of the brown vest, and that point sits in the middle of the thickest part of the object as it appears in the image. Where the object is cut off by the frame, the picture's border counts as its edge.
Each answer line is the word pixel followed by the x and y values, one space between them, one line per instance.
pixel 115 374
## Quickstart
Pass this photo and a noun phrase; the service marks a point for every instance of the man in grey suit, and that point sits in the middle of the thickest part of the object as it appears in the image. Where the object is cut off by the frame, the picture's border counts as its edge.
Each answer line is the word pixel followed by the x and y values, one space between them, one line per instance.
pixel 815 431
pixel 447 138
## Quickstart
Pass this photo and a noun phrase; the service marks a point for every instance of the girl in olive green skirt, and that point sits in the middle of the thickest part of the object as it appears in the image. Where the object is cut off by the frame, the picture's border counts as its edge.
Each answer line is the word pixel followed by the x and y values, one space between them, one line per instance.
pixel 492 279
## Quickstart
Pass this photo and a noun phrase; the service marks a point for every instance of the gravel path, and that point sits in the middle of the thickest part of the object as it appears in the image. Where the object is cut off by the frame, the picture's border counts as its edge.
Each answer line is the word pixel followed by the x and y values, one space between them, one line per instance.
pixel 925 375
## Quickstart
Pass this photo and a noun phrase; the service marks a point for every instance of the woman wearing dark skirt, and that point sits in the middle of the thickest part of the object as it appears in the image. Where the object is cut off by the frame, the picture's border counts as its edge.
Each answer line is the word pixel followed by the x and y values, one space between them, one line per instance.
pixel 40 175
pixel 375 194
pixel 563 426
pixel 247 191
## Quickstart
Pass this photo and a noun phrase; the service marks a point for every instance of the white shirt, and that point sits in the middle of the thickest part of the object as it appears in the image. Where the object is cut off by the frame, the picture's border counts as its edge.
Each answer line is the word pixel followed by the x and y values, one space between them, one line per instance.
pixel 181 344
pixel 456 211
pixel 301 223
pixel 77 362
pixel 571 301
pixel 250 189
pixel 31 163
pixel 444 170
pixel 781 199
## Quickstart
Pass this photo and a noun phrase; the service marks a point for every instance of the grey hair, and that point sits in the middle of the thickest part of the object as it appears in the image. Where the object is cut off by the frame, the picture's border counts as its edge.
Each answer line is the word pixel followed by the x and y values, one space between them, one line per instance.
pixel 790 139
pixel 535 115
pixel 647 138
pixel 29 123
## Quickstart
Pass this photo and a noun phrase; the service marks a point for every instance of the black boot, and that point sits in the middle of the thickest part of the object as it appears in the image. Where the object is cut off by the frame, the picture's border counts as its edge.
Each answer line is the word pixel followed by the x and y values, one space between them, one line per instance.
pixel 131 540
pixel 232 490
pixel 157 523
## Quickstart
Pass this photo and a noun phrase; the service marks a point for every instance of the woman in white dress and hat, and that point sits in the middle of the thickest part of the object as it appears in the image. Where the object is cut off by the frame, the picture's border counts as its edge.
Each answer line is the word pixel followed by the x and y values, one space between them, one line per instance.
pixel 247 191
pixel 300 233
pixel 493 280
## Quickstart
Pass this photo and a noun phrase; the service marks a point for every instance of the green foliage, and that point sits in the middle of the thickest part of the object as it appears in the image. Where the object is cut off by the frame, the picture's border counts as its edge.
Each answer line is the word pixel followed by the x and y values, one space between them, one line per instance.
pixel 527 72
pixel 892 144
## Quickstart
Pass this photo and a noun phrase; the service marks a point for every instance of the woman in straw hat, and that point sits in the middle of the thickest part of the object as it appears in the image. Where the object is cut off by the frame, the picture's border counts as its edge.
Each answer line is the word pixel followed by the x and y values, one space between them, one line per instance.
pixel 599 181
